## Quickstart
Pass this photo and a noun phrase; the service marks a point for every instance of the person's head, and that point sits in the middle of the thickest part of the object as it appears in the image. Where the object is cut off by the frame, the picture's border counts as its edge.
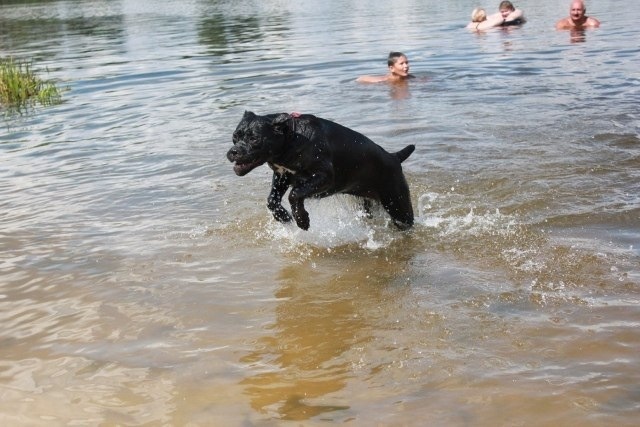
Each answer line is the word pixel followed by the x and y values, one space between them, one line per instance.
pixel 478 15
pixel 577 10
pixel 506 7
pixel 394 57
pixel 398 64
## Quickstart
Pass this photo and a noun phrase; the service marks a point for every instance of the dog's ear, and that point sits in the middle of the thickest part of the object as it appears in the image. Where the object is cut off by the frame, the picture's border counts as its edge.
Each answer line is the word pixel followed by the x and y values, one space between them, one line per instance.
pixel 248 115
pixel 281 124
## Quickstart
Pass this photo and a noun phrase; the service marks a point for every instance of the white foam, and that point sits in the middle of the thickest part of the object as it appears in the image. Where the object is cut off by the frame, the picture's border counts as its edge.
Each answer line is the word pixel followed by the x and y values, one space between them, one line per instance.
pixel 434 211
pixel 335 221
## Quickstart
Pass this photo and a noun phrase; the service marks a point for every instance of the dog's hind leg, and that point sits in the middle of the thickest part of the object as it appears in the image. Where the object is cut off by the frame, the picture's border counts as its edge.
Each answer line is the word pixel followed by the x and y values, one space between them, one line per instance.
pixel 367 204
pixel 279 185
pixel 398 205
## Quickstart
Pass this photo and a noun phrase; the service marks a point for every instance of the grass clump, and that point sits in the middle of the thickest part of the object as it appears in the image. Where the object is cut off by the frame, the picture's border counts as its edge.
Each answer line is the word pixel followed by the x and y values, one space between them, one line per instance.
pixel 19 85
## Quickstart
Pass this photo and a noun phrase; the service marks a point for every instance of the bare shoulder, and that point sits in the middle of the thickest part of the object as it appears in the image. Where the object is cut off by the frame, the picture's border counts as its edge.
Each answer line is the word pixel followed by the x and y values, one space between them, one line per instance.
pixel 564 24
pixel 592 22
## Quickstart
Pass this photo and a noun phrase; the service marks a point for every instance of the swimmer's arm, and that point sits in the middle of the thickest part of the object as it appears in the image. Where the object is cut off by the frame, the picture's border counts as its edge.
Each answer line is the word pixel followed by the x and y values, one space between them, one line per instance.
pixel 515 15
pixel 490 22
pixel 371 79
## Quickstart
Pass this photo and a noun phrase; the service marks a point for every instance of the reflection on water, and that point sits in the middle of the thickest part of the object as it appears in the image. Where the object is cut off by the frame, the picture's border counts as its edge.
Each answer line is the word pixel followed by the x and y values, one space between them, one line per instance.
pixel 217 33
pixel 37 31
pixel 400 90
pixel 578 35
pixel 142 282
pixel 314 325
pixel 322 316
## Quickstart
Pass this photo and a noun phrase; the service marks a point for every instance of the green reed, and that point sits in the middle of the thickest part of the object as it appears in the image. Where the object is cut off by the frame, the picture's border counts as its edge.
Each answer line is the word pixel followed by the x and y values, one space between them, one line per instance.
pixel 19 85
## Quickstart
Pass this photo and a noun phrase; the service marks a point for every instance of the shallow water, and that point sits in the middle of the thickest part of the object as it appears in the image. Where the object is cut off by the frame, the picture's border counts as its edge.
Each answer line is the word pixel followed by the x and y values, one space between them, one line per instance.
pixel 143 282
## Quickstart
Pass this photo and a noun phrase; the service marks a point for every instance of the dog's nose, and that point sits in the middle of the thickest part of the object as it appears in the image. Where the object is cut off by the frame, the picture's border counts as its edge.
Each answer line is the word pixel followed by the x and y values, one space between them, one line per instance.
pixel 232 154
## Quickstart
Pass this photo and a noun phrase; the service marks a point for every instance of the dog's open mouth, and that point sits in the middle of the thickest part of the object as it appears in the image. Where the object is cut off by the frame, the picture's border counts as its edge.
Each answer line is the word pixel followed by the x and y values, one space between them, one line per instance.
pixel 244 168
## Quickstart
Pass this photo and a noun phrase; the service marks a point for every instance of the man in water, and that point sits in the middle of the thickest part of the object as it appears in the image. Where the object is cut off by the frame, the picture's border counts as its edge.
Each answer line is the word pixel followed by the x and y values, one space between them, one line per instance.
pixel 577 19
pixel 398 70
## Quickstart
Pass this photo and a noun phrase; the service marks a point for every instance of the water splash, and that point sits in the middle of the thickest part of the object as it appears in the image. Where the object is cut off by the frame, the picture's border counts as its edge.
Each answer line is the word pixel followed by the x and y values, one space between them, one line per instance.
pixel 335 221
pixel 449 220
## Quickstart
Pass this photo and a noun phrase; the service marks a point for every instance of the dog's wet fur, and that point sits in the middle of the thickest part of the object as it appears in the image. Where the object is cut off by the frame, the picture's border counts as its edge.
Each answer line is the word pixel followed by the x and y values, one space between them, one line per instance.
pixel 318 158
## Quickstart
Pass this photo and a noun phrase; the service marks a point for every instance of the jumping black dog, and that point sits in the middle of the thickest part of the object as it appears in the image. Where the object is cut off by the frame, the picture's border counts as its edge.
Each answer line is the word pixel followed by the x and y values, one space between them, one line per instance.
pixel 318 158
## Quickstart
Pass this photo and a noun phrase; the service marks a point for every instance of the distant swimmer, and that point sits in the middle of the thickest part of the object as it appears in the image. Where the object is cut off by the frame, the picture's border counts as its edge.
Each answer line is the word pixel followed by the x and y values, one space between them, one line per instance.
pixel 398 64
pixel 508 14
pixel 480 21
pixel 577 19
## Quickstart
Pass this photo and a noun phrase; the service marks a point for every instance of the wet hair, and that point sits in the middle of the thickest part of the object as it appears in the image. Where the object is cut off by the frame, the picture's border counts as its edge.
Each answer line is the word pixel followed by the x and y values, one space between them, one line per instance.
pixel 393 57
pixel 478 15
pixel 506 4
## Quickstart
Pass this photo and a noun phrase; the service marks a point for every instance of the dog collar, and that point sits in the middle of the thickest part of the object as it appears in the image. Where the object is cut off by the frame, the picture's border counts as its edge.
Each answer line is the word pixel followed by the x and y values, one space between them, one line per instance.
pixel 294 116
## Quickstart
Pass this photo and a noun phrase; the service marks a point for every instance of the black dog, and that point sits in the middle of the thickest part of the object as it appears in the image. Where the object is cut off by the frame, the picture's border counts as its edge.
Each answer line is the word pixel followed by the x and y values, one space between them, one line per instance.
pixel 318 158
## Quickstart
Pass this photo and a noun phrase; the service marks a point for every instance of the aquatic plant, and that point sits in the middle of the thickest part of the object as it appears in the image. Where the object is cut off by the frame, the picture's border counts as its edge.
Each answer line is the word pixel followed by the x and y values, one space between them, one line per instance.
pixel 19 85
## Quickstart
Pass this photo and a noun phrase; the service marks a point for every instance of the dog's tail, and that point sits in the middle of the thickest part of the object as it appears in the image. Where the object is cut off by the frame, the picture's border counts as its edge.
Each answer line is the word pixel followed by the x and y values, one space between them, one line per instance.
pixel 405 152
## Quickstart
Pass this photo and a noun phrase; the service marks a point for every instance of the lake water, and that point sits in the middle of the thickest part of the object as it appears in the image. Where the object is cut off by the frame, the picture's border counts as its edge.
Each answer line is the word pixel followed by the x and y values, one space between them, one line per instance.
pixel 143 283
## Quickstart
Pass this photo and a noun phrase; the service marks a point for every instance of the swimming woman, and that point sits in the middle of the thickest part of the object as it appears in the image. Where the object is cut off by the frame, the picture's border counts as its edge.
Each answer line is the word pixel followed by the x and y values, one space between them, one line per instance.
pixel 480 21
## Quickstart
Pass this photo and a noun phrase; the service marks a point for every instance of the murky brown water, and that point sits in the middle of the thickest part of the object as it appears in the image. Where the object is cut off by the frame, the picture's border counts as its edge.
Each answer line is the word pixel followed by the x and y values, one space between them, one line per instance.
pixel 142 282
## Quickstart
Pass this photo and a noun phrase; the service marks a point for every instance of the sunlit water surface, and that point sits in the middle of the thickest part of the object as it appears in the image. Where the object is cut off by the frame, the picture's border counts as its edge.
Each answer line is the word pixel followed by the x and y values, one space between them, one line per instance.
pixel 142 282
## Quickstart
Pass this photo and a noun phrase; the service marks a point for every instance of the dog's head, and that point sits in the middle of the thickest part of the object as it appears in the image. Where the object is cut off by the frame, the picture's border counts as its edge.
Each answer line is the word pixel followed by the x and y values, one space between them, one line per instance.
pixel 257 140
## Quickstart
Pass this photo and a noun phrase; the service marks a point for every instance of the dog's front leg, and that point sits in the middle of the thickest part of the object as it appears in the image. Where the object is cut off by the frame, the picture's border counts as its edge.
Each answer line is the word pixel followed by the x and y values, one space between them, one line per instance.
pixel 299 213
pixel 279 185
pixel 315 185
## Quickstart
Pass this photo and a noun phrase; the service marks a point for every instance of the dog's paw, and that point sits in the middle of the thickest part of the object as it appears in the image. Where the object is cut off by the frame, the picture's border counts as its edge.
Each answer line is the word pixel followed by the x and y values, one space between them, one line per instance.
pixel 281 215
pixel 403 225
pixel 302 220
